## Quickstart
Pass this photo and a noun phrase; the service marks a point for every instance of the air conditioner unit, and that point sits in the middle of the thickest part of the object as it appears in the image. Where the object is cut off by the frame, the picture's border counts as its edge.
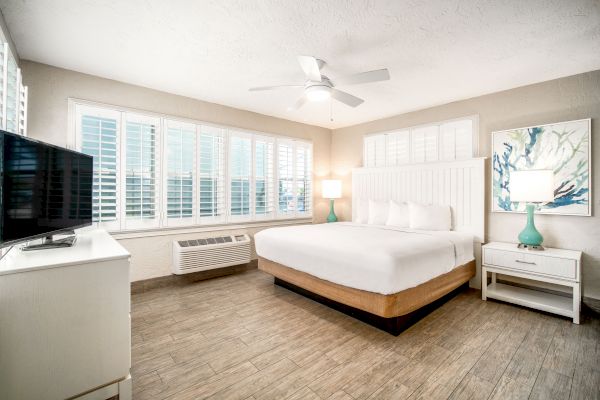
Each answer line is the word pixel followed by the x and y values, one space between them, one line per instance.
pixel 210 253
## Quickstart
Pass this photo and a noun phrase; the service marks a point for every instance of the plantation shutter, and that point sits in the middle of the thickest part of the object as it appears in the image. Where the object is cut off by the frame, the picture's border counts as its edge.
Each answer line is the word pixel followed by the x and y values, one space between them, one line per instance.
pixel 180 150
pixel 444 141
pixel 211 174
pixel 424 144
pixel 22 110
pixel 98 131
pixel 286 198
pixel 4 53
pixel 304 190
pixel 12 95
pixel 456 140
pixel 398 148
pixel 374 151
pixel 141 144
pixel 152 172
pixel 264 186
pixel 240 167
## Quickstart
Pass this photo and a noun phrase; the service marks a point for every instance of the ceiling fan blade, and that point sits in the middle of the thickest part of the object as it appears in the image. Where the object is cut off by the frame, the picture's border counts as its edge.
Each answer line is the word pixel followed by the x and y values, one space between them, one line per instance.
pixel 346 98
pixel 256 89
pixel 364 77
pixel 301 101
pixel 310 66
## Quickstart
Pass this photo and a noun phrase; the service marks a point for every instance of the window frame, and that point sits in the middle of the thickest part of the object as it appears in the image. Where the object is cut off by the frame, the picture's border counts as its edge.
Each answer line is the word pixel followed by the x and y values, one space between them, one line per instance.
pixel 75 106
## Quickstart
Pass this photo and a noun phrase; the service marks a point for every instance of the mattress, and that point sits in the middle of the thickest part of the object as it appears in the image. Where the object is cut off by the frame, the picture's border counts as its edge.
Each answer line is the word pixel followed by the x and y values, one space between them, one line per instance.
pixel 375 258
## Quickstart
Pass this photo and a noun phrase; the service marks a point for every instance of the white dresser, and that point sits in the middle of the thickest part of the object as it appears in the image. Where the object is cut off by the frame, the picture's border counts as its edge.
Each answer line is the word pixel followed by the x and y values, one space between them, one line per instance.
pixel 65 327
pixel 555 266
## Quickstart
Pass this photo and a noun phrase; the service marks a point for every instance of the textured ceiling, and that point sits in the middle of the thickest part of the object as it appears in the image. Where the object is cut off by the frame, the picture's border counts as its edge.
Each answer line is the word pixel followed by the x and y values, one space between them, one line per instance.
pixel 437 51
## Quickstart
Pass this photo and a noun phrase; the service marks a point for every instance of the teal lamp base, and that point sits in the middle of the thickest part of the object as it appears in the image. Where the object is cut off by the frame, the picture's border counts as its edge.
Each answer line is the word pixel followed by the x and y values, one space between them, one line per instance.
pixel 529 237
pixel 331 217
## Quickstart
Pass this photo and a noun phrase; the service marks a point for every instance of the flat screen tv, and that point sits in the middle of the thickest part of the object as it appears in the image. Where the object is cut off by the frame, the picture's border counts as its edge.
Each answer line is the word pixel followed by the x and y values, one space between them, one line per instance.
pixel 45 189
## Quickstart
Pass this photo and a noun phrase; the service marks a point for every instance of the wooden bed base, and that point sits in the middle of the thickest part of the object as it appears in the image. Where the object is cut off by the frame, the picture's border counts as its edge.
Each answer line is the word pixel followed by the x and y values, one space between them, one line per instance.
pixel 393 325
pixel 392 313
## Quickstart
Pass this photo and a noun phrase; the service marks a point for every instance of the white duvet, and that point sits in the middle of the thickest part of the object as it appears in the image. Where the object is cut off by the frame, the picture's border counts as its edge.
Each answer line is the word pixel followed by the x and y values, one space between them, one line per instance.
pixel 375 258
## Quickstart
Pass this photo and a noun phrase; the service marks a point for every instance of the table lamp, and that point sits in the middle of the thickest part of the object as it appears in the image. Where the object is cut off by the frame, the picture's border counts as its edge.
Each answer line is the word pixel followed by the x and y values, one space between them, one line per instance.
pixel 332 189
pixel 533 186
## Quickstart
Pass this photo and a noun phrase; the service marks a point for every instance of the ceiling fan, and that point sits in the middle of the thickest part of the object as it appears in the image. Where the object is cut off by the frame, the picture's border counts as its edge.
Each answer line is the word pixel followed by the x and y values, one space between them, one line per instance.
pixel 319 87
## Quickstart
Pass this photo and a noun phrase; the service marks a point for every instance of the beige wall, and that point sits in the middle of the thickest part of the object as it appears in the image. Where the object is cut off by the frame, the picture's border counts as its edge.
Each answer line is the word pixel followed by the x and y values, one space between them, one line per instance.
pixel 563 99
pixel 50 87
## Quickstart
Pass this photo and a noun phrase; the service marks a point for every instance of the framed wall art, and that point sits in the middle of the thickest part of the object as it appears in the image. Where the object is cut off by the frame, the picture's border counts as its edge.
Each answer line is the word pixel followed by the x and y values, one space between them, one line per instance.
pixel 564 147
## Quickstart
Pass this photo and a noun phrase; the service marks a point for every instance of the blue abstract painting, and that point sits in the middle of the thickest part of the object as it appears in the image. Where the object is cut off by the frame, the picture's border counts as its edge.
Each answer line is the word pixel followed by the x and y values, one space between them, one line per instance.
pixel 563 147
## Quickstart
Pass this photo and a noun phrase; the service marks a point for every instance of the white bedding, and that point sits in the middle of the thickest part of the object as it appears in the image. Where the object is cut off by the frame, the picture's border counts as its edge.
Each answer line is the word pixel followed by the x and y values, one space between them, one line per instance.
pixel 376 258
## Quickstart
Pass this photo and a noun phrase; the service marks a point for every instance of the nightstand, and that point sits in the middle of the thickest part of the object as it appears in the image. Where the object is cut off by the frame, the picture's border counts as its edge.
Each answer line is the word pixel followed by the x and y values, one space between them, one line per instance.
pixel 557 266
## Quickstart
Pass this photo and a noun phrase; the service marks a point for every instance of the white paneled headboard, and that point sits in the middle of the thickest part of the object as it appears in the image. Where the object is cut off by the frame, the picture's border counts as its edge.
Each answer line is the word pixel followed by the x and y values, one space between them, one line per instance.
pixel 459 184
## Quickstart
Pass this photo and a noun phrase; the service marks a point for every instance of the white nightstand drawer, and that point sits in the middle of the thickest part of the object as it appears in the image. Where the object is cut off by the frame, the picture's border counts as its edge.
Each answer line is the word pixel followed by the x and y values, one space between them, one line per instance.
pixel 536 263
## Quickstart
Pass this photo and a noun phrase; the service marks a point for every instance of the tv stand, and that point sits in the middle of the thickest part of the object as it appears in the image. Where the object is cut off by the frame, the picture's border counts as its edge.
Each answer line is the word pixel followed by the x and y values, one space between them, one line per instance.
pixel 65 330
pixel 50 243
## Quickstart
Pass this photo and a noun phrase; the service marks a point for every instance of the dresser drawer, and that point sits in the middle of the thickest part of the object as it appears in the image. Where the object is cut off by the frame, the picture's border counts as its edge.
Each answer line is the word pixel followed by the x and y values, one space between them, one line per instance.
pixel 536 263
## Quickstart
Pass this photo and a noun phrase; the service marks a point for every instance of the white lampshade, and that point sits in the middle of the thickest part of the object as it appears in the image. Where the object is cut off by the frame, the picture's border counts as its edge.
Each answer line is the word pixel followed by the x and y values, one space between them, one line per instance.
pixel 332 189
pixel 535 186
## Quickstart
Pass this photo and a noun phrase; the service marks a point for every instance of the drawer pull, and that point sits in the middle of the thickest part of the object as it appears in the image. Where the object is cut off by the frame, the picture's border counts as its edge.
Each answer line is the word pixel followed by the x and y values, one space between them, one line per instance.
pixel 525 262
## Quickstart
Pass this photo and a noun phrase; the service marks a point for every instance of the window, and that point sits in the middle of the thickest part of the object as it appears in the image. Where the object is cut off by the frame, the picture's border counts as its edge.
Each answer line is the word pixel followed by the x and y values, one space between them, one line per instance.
pixel 294 179
pixel 456 140
pixel 141 171
pixel 264 187
pixel 98 132
pixel 180 152
pixel 212 174
pixel 285 181
pixel 424 144
pixel 374 150
pixel 398 148
pixel 153 171
pixel 240 165
pixel 303 180
pixel 13 95
pixel 443 141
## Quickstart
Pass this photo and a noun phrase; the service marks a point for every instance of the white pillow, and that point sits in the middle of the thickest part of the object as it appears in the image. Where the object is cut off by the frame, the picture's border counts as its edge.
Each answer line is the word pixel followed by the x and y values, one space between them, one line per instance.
pixel 362 212
pixel 398 215
pixel 430 217
pixel 378 212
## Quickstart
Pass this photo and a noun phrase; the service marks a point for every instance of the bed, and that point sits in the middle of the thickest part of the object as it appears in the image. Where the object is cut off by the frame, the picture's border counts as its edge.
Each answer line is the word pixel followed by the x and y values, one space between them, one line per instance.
pixel 385 275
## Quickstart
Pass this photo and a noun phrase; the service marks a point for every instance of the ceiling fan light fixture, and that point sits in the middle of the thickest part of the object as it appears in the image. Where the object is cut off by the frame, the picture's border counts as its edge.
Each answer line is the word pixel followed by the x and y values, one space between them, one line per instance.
pixel 318 93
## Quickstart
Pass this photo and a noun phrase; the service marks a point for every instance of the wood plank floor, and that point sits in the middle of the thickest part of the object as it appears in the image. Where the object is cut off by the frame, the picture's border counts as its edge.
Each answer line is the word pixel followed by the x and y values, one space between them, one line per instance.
pixel 241 337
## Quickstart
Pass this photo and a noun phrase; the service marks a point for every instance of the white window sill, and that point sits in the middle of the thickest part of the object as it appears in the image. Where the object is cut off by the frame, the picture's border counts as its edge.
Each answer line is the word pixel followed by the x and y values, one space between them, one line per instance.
pixel 207 228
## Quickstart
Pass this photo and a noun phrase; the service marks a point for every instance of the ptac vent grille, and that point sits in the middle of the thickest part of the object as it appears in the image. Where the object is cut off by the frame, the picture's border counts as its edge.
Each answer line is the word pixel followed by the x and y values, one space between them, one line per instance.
pixel 210 253
pixel 205 241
